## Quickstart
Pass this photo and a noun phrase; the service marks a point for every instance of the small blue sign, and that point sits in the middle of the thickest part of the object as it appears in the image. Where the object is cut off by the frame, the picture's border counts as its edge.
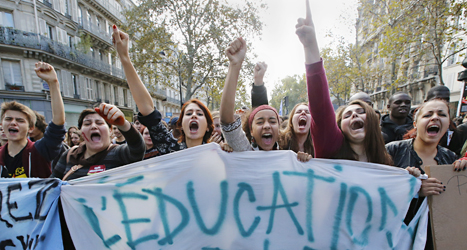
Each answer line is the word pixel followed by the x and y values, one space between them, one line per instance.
pixel 45 85
pixel 168 114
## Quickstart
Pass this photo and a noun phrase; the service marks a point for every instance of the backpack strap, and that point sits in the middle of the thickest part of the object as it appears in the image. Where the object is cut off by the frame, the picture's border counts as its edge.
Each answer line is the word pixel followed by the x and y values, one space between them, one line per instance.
pixel 74 168
pixel 68 155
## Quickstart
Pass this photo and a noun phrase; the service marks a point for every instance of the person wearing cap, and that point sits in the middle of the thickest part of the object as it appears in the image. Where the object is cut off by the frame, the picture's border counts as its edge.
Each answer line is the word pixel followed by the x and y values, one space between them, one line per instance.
pixel 173 128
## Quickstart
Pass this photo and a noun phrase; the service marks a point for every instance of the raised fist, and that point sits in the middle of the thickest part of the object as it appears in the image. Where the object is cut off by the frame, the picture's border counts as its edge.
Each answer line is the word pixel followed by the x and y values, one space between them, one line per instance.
pixel 111 114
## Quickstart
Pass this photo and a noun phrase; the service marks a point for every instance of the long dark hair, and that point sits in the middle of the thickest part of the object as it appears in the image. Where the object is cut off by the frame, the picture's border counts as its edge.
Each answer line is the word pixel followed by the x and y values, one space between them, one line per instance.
pixel 373 143
pixel 288 139
pixel 207 114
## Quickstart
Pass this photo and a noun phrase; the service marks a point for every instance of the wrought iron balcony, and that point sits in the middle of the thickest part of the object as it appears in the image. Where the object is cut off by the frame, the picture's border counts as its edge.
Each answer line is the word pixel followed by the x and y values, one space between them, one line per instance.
pixel 10 36
pixel 173 100
pixel 97 31
pixel 104 5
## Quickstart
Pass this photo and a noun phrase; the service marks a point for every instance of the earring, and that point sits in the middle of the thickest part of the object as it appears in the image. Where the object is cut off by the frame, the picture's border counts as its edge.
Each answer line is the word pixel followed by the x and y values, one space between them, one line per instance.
pixel 253 142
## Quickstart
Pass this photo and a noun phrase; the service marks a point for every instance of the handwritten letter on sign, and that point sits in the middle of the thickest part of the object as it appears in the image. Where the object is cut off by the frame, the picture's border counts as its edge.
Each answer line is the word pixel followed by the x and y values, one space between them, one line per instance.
pixel 29 215
pixel 204 198
pixel 448 219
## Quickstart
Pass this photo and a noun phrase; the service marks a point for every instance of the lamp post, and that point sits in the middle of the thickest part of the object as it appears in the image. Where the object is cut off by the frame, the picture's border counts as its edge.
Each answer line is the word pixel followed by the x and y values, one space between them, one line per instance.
pixel 462 76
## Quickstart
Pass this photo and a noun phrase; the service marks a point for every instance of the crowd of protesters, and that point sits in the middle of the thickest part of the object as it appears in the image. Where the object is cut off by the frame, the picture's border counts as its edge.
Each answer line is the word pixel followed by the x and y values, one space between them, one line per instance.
pixel 103 138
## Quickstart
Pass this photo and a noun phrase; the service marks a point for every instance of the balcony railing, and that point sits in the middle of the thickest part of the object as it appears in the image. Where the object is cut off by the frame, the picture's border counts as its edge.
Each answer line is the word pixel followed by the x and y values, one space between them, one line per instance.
pixel 48 4
pixel 94 29
pixel 111 8
pixel 25 39
pixel 173 100
pixel 430 71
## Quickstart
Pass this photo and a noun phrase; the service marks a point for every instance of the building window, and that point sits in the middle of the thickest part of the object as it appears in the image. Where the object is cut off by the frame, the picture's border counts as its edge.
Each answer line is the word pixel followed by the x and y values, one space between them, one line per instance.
pixel 70 41
pixel 98 91
pixel 89 89
pixel 67 8
pixel 116 95
pixel 50 31
pixel 125 97
pixel 89 18
pixel 12 75
pixel 107 93
pixel 80 16
pixel 92 52
pixel 74 80
pixel 6 19
pixel 101 55
pixel 98 24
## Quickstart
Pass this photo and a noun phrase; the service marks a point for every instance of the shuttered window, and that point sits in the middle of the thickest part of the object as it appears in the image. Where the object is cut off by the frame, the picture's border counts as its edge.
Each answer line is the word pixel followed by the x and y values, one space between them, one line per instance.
pixel 6 19
pixel 12 73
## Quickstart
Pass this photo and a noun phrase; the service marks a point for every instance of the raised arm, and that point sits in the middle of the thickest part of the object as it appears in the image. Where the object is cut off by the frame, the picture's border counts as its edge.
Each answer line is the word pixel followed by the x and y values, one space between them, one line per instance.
pixel 49 146
pixel 259 95
pixel 305 29
pixel 236 54
pixel 327 137
pixel 139 92
pixel 47 73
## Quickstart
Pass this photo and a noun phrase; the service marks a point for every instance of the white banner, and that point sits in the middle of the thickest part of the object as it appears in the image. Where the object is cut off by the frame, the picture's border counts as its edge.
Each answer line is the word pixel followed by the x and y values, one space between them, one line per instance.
pixel 29 214
pixel 204 198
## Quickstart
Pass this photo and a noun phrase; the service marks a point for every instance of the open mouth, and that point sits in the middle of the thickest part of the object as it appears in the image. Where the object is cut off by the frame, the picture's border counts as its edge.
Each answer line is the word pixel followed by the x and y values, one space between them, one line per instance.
pixel 357 125
pixel 267 139
pixel 302 123
pixel 432 130
pixel 13 131
pixel 95 137
pixel 194 127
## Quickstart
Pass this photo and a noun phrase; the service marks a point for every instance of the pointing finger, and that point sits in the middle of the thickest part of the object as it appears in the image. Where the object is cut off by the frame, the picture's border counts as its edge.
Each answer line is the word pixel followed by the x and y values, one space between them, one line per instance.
pixel 116 34
pixel 308 13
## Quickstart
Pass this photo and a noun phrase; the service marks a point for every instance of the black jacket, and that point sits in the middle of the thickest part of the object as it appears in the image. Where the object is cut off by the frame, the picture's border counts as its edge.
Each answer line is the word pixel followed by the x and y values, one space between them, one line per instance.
pixel 404 155
pixel 457 141
pixel 259 96
pixel 392 131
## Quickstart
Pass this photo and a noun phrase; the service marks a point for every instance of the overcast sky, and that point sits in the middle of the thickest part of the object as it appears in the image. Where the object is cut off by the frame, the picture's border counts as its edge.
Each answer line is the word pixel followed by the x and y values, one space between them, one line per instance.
pixel 279 46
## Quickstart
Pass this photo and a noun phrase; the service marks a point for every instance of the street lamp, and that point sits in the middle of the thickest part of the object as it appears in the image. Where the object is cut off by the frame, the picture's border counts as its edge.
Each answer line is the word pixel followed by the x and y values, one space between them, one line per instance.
pixel 462 76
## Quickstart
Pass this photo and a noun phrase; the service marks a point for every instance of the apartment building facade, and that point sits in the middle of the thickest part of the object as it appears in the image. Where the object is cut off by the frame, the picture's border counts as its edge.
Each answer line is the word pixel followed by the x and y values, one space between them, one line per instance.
pixel 413 71
pixel 75 37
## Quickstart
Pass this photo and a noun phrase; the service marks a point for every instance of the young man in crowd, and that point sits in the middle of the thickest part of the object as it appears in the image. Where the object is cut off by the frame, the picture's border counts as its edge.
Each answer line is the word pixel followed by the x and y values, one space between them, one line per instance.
pixel 362 96
pixel 39 128
pixel 20 157
pixel 119 138
pixel 396 124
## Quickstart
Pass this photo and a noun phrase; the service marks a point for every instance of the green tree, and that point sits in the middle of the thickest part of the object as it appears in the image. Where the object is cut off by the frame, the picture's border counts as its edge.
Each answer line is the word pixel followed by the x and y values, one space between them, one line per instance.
pixel 338 73
pixel 292 86
pixel 186 39
pixel 408 35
